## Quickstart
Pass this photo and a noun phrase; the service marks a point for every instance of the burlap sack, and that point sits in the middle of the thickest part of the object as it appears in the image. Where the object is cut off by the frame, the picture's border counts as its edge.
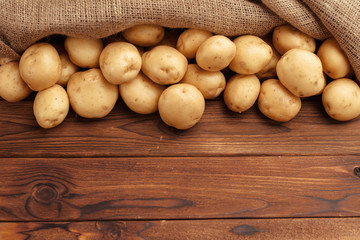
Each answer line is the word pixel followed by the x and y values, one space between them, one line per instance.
pixel 25 21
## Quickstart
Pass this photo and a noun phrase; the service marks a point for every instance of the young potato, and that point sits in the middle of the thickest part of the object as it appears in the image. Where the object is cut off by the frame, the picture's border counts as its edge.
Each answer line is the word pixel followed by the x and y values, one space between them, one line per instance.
pixel 164 65
pixel 276 102
pixel 67 69
pixel 91 95
pixel 141 94
pixel 12 86
pixel 120 62
pixel 210 84
pixel 84 52
pixel 300 71
pixel 181 105
pixel 190 40
pixel 252 55
pixel 335 63
pixel 40 66
pixel 144 35
pixel 341 99
pixel 51 106
pixel 241 92
pixel 269 71
pixel 286 37
pixel 215 53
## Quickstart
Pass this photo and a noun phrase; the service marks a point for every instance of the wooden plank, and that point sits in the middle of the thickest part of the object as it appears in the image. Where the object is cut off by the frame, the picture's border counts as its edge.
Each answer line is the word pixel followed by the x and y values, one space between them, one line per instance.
pixel 179 188
pixel 219 133
pixel 299 229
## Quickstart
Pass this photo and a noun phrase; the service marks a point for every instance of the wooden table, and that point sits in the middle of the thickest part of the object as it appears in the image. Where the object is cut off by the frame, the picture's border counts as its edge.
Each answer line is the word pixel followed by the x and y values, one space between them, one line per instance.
pixel 128 176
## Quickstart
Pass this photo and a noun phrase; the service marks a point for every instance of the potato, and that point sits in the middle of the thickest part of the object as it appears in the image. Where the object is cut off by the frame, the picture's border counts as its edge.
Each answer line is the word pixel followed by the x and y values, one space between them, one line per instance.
pixel 334 61
pixel 215 53
pixel 170 38
pixel 12 86
pixel 286 37
pixel 210 84
pixel 40 66
pixel 141 94
pixel 91 96
pixel 51 106
pixel 276 102
pixel 300 71
pixel 144 35
pixel 190 40
pixel 252 55
pixel 67 69
pixel 120 62
pixel 181 105
pixel 269 71
pixel 84 52
pixel 164 65
pixel 241 92
pixel 5 60
pixel 341 99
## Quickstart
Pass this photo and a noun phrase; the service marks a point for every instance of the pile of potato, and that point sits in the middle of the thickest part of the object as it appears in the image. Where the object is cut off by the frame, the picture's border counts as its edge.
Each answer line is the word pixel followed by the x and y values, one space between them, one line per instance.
pixel 173 71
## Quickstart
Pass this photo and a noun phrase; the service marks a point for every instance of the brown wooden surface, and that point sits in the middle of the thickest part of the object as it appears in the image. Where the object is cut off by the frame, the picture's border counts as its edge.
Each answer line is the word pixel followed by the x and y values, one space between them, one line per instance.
pixel 281 229
pixel 232 176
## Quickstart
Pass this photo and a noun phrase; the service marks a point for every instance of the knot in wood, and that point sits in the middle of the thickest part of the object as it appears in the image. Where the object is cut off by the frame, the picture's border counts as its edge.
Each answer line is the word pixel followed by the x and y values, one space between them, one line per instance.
pixel 45 193
pixel 357 171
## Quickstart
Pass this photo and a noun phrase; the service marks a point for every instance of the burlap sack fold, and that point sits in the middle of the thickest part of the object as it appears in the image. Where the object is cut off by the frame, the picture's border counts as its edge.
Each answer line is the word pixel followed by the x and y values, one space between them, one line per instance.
pixel 24 22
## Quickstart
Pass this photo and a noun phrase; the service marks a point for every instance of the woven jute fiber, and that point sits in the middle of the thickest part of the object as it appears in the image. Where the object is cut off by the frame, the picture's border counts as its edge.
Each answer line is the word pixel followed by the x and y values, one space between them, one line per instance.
pixel 23 22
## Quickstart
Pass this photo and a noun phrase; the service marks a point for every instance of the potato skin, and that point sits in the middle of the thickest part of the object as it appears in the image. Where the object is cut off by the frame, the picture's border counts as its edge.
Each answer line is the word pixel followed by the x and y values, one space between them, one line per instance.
pixel 144 35
pixel 40 66
pixel 91 96
pixel 252 55
pixel 335 62
pixel 276 102
pixel 12 86
pixel 84 52
pixel 215 53
pixel 210 84
pixel 51 106
pixel 67 69
pixel 120 62
pixel 286 37
pixel 164 65
pixel 341 99
pixel 141 94
pixel 190 40
pixel 300 71
pixel 241 92
pixel 181 106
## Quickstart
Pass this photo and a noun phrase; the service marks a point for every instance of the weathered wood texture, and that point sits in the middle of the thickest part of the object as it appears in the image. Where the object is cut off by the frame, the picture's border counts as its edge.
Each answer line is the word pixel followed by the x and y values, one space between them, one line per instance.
pixel 219 133
pixel 277 229
pixel 178 188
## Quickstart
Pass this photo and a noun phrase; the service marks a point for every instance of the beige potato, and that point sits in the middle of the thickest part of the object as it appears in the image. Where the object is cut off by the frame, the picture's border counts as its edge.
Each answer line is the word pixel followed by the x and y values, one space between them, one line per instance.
pixel 286 37
pixel 144 35
pixel 84 52
pixel 241 92
pixel 164 65
pixel 12 86
pixel 40 66
pixel 119 38
pixel 5 60
pixel 335 62
pixel 120 62
pixel 252 55
pixel 215 53
pixel 91 96
pixel 341 99
pixel 67 69
pixel 210 84
pixel 269 71
pixel 190 40
pixel 181 105
pixel 300 71
pixel 276 102
pixel 141 94
pixel 51 106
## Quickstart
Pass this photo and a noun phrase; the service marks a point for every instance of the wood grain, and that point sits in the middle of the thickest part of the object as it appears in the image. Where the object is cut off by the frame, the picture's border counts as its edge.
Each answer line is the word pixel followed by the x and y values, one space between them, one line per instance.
pixel 219 133
pixel 276 229
pixel 178 188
